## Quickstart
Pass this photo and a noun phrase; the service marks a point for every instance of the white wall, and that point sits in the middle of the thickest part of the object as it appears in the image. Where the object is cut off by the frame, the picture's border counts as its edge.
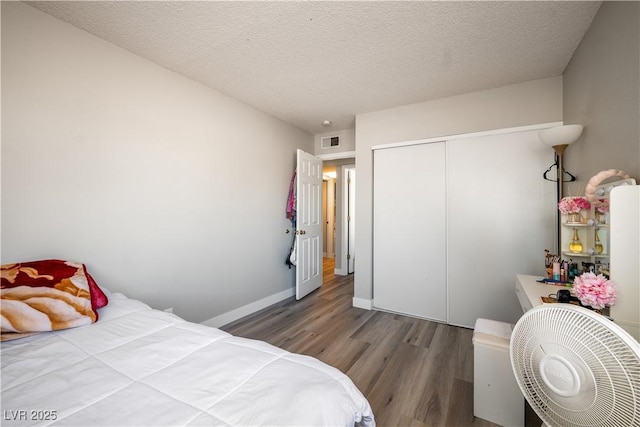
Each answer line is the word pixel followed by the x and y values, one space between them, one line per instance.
pixel 602 92
pixel 169 191
pixel 534 102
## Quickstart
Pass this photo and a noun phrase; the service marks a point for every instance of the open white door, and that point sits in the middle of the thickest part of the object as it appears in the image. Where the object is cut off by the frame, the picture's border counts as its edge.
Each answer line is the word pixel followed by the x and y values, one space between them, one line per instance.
pixel 309 224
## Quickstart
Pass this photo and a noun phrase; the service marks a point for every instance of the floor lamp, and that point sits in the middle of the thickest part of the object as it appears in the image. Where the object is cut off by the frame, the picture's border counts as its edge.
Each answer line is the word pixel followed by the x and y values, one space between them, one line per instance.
pixel 559 138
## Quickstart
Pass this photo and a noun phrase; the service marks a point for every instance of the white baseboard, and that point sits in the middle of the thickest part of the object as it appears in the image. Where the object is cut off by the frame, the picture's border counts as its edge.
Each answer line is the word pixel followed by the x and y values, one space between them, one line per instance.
pixel 340 272
pixel 248 309
pixel 367 304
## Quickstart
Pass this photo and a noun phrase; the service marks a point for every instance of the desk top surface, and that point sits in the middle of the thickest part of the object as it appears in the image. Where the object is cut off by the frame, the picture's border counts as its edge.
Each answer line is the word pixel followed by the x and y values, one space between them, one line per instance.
pixel 534 290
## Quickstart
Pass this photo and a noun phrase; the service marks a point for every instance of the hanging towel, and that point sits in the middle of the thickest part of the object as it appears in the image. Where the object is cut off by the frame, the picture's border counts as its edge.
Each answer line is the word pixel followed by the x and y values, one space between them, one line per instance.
pixel 291 214
pixel 291 201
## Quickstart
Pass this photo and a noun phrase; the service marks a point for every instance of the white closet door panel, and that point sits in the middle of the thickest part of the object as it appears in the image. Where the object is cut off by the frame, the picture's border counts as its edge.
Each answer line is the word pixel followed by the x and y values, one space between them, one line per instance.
pixel 409 260
pixel 501 218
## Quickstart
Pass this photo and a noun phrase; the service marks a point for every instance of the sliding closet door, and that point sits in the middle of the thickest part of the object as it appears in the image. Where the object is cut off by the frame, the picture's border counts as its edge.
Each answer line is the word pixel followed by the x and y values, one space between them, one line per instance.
pixel 500 219
pixel 409 265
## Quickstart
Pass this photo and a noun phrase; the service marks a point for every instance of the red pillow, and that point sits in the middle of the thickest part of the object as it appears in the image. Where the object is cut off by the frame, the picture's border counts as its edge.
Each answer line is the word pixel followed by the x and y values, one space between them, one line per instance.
pixel 98 298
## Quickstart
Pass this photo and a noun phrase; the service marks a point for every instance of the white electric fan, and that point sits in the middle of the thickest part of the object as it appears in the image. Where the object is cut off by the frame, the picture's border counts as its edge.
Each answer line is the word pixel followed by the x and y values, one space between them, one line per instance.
pixel 576 367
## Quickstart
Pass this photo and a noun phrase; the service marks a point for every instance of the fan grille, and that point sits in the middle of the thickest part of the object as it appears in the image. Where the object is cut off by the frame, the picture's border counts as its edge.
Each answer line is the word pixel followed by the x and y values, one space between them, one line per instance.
pixel 604 362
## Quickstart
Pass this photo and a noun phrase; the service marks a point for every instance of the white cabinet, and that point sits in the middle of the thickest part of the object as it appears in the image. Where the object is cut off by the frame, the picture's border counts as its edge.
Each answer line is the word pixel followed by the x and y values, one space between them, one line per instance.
pixel 455 221
pixel 585 238
pixel 625 256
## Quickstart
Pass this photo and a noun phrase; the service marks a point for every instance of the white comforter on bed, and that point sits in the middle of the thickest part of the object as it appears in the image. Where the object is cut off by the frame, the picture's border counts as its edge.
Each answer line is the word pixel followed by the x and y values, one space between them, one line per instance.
pixel 138 366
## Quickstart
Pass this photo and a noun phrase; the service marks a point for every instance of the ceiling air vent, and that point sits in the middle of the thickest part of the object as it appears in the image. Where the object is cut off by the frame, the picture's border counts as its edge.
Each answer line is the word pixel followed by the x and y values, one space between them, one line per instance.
pixel 330 142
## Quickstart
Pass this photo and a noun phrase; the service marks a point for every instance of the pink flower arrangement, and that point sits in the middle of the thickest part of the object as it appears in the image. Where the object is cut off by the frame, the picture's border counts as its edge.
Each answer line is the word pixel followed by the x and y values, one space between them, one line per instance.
pixel 603 206
pixel 594 291
pixel 573 205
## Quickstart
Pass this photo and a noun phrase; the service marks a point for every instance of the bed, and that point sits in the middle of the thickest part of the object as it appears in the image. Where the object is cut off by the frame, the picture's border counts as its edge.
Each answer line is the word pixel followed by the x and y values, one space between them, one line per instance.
pixel 133 365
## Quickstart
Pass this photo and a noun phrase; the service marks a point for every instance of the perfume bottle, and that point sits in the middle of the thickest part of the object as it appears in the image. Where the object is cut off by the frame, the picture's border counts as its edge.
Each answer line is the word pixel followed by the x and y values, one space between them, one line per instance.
pixel 575 246
pixel 598 243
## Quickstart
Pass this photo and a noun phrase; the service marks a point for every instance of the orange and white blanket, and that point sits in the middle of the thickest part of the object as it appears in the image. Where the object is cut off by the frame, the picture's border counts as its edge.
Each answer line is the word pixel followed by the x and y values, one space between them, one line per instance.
pixel 44 296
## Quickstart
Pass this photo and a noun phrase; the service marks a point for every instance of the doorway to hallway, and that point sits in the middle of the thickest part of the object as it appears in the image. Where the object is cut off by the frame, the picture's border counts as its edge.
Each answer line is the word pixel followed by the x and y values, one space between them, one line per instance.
pixel 339 214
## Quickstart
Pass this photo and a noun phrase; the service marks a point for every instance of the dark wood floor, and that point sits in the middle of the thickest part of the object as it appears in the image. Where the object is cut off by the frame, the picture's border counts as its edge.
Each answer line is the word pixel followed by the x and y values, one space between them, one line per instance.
pixel 412 371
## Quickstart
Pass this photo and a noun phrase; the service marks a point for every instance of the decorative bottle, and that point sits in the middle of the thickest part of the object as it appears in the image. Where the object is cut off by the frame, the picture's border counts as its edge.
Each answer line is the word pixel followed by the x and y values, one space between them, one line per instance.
pixel 598 243
pixel 575 246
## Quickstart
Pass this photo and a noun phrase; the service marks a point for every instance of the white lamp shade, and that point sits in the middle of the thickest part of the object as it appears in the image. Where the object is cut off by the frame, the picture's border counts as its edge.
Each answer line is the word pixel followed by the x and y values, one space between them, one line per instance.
pixel 560 135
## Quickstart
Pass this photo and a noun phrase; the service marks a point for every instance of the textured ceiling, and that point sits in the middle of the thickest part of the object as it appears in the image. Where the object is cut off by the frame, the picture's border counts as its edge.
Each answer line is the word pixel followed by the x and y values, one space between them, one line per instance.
pixel 305 62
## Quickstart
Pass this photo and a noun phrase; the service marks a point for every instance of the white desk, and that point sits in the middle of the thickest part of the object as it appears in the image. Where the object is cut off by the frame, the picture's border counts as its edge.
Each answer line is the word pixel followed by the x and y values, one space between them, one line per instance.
pixel 529 290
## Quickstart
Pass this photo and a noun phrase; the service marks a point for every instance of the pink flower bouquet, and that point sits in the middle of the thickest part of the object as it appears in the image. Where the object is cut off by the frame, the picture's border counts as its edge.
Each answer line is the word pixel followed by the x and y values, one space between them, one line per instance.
pixel 573 205
pixel 594 291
